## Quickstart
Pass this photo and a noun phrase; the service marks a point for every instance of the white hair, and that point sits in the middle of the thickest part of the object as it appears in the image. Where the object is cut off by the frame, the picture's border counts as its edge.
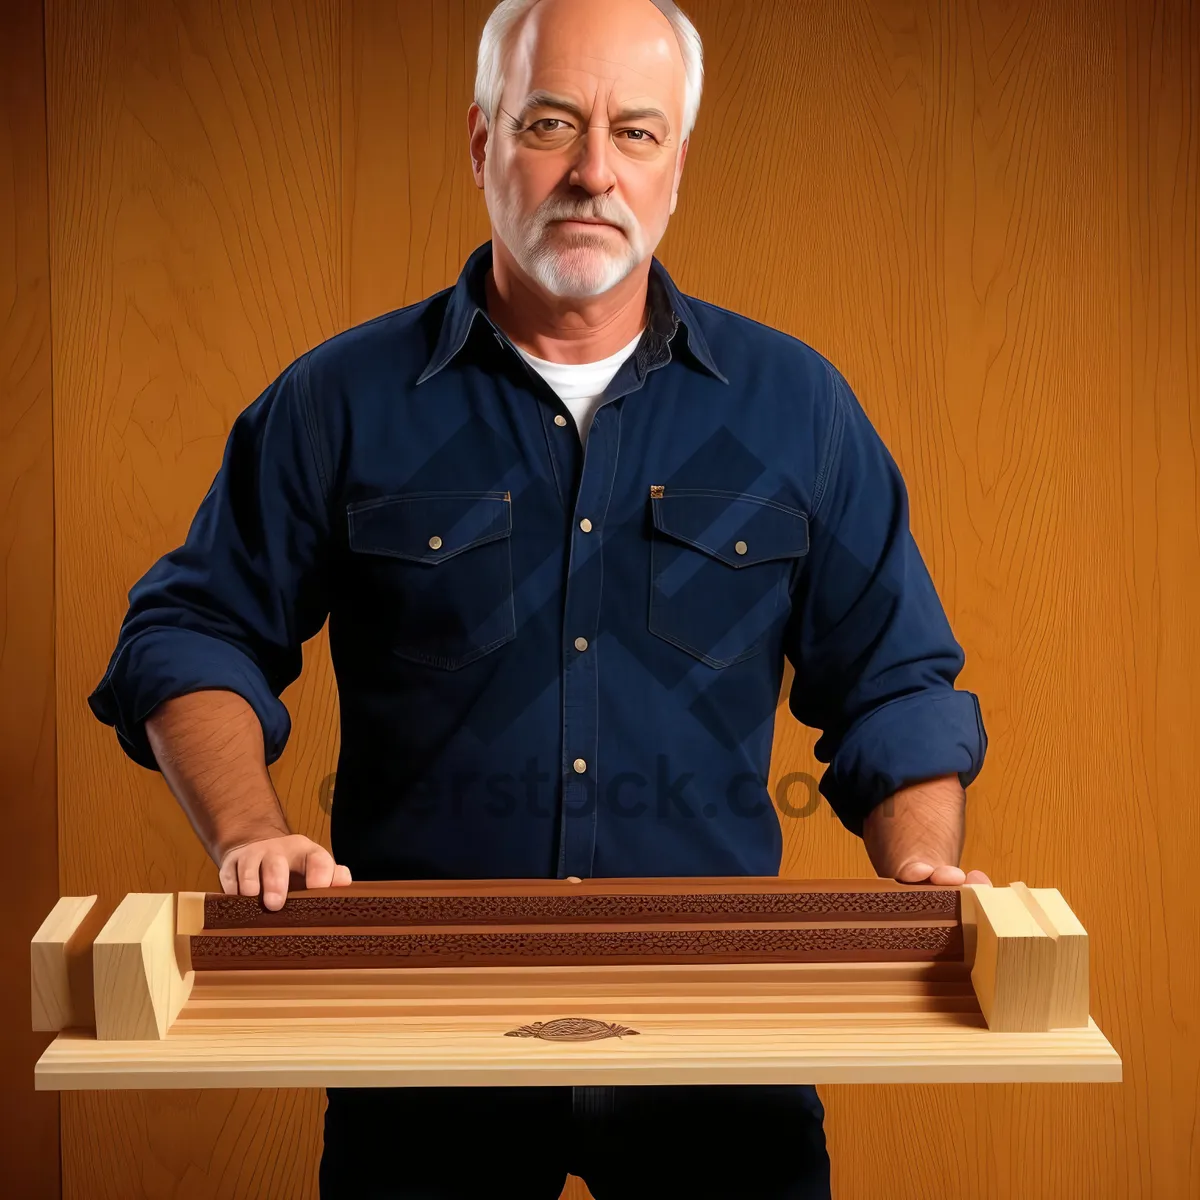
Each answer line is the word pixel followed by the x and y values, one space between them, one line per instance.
pixel 507 16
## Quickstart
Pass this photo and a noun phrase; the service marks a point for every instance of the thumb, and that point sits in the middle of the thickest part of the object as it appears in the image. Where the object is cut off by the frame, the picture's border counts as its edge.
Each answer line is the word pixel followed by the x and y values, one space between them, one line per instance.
pixel 914 872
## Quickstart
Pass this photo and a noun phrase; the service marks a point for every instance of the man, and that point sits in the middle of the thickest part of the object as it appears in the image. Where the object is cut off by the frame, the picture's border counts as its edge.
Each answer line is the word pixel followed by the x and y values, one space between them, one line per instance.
pixel 565 523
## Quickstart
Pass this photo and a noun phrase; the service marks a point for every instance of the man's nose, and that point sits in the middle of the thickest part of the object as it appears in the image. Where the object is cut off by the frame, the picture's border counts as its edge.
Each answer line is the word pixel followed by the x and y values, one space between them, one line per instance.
pixel 593 168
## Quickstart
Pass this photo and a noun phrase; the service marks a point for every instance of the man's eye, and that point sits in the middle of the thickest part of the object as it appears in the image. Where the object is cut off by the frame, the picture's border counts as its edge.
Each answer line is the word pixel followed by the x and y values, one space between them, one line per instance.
pixel 543 120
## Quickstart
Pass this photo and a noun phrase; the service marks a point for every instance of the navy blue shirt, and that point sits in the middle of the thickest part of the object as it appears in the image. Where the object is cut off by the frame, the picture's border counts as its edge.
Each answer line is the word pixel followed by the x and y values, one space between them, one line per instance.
pixel 554 660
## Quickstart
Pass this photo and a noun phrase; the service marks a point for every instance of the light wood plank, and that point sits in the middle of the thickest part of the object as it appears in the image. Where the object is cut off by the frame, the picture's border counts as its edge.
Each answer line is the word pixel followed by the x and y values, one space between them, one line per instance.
pixel 767 1048
pixel 140 985
pixel 1013 968
pixel 60 964
pixel 1069 992
pixel 721 1023
pixel 189 912
pixel 601 992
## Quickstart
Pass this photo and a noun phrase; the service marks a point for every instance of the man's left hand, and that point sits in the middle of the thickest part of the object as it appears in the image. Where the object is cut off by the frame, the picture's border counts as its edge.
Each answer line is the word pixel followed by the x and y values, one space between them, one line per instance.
pixel 916 835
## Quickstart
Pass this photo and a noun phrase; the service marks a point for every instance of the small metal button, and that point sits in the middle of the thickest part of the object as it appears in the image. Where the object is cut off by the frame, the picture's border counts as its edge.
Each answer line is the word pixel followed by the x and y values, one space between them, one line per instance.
pixel 581 643
pixel 559 419
pixel 585 525
pixel 435 542
pixel 580 766
pixel 740 547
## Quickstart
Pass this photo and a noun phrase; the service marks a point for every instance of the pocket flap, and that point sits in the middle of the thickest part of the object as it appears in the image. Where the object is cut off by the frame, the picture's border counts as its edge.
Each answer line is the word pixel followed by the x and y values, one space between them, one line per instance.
pixel 428 527
pixel 736 528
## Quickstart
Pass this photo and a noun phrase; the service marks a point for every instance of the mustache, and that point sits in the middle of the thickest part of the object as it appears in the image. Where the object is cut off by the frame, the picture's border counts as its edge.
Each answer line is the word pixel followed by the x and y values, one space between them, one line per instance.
pixel 616 219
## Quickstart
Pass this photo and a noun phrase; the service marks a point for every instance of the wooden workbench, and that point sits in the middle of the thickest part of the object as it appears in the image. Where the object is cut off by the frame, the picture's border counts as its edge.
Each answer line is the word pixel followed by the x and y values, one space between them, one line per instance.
pixel 539 982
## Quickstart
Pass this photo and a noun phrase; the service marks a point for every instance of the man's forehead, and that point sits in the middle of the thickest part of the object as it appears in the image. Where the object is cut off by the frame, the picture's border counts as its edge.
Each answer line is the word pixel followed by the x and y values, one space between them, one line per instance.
pixel 607 32
pixel 581 83
pixel 567 51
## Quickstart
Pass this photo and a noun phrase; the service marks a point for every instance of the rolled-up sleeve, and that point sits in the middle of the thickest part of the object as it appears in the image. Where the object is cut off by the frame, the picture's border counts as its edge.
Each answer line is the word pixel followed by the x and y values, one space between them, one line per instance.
pixel 874 656
pixel 231 607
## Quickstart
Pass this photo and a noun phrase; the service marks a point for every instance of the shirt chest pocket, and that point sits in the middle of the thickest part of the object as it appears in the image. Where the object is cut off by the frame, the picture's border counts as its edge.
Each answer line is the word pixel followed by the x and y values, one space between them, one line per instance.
pixel 720 566
pixel 433 573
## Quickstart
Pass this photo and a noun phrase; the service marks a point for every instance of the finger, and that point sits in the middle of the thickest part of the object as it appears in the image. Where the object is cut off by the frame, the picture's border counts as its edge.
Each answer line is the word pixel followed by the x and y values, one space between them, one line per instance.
pixel 228 874
pixel 948 875
pixel 318 871
pixel 341 875
pixel 978 877
pixel 247 871
pixel 914 872
pixel 274 880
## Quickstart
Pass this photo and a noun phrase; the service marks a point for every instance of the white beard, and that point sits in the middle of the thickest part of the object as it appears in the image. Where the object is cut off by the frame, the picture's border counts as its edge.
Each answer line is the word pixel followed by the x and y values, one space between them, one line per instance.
pixel 576 264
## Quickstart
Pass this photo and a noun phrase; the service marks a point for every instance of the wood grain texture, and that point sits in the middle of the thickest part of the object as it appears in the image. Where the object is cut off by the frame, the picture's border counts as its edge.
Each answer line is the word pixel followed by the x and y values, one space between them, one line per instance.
pixel 28 813
pixel 999 247
pixel 1069 996
pixel 984 213
pixel 703 1024
pixel 1013 967
pixel 141 969
pixel 195 237
pixel 471 1051
pixel 60 964
pixel 460 991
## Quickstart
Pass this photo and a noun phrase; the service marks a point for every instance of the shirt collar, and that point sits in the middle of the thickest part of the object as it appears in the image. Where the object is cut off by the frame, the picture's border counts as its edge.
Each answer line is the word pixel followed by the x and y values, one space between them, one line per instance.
pixel 668 310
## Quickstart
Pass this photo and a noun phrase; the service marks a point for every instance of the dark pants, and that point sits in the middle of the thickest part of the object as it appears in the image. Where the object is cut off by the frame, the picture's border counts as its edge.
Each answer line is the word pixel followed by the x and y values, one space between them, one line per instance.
pixel 627 1143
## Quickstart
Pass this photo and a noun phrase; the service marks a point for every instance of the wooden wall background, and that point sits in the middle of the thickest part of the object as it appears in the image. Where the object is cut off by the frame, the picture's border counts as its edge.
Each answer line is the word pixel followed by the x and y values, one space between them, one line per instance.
pixel 29 1160
pixel 984 211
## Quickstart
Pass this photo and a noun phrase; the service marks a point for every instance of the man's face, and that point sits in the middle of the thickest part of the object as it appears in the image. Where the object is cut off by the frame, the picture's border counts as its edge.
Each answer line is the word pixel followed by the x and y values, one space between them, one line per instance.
pixel 587 127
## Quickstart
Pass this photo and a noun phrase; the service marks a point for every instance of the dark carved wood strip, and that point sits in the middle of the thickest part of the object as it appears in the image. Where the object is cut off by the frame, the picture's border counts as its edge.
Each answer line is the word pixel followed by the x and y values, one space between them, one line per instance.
pixel 579 947
pixel 611 885
pixel 247 912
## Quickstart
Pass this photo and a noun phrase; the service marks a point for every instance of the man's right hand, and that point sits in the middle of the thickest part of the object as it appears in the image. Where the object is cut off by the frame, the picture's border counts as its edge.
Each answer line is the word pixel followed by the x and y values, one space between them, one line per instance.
pixel 275 863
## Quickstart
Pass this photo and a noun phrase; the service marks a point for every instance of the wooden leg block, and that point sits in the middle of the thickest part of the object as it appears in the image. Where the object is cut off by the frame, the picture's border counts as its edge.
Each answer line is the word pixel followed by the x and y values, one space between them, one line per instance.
pixel 189 913
pixel 60 964
pixel 1069 994
pixel 1014 960
pixel 142 969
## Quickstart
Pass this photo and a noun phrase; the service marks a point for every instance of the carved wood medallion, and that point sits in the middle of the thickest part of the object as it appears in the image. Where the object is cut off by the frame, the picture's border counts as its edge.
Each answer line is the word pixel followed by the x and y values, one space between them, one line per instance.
pixel 571 1029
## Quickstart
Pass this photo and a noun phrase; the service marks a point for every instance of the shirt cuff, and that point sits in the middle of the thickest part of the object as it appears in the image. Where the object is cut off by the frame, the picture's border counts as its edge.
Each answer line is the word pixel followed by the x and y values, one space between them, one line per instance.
pixel 905 741
pixel 159 664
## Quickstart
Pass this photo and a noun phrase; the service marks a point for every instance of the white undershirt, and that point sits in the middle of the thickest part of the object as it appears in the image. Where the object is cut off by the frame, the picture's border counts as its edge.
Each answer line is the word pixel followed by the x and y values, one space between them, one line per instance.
pixel 581 384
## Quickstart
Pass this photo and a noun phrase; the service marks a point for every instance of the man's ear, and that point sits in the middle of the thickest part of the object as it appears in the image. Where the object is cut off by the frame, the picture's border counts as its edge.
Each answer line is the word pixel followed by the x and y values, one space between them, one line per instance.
pixel 477 130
